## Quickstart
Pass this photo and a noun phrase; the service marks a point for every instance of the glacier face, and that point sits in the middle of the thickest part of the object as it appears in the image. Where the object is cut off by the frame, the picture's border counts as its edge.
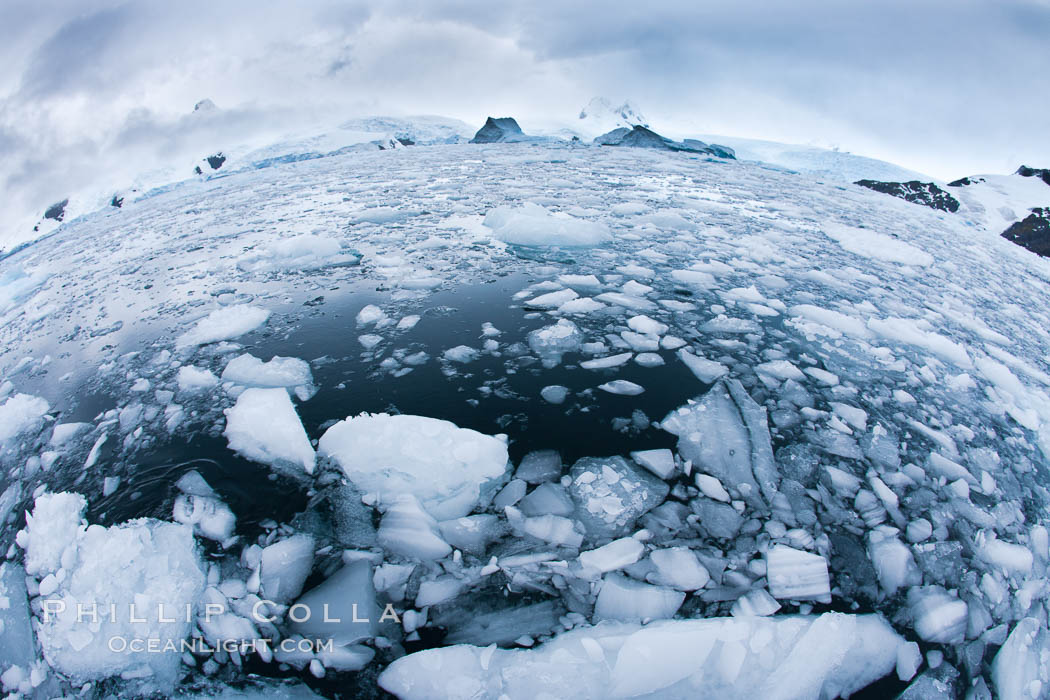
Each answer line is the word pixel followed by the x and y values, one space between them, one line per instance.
pixel 860 385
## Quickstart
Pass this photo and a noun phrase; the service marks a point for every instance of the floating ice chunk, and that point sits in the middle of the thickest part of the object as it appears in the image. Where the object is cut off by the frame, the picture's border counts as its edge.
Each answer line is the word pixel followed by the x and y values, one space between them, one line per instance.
pixel 635 289
pixel 876 246
pixel 615 555
pixel 52 532
pixel 369 314
pixel 369 340
pixel 551 342
pixel 409 531
pixel 444 466
pixel 678 568
pixel 727 436
pixel 785 657
pixel 554 529
pixel 20 413
pixel 649 359
pixel 144 563
pixel 513 492
pixel 857 417
pixel 816 320
pixel 18 646
pixel 755 603
pixel 584 282
pixel 552 300
pixel 641 343
pixel 797 575
pixel 627 600
pixel 1012 559
pixel 532 225
pixel 727 324
pixel 439 590
pixel 937 616
pixel 659 462
pixel 555 393
pixel 546 499
pixel 911 332
pixel 707 371
pixel 408 322
pixel 224 324
pixel 285 566
pixel 694 278
pixel 193 484
pixel 610 494
pixel 1019 670
pixel 638 271
pixel 192 378
pixel 539 466
pixel 461 353
pixel 473 533
pixel 342 608
pixel 607 362
pixel 288 372
pixel 894 562
pixel 382 215
pixel 583 305
pixel 306 251
pixel 823 376
pixel 919 530
pixel 711 487
pixel 938 464
pixel 209 517
pixel 646 326
pixel 908 660
pixel 263 426
pixel 64 432
pixel 627 301
pixel 780 369
pixel 622 387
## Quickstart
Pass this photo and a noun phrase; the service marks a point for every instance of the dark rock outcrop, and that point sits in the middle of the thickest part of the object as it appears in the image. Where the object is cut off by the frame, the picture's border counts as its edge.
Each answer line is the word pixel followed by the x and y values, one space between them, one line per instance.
pixel 924 193
pixel 1032 232
pixel 56 211
pixel 965 181
pixel 1041 173
pixel 712 148
pixel 216 160
pixel 498 131
pixel 642 137
pixel 117 201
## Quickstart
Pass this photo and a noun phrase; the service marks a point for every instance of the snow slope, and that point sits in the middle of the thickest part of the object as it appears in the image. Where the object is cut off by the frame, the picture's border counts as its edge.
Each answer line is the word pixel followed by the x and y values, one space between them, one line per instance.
pixel 993 202
pixel 820 162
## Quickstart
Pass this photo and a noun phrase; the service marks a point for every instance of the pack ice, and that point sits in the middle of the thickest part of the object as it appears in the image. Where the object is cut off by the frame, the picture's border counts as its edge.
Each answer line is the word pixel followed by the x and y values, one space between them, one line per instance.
pixel 742 394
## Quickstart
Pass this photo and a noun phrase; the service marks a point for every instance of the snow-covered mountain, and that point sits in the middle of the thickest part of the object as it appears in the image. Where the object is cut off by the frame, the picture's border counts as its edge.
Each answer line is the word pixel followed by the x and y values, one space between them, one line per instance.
pixel 994 202
pixel 600 116
pixel 530 419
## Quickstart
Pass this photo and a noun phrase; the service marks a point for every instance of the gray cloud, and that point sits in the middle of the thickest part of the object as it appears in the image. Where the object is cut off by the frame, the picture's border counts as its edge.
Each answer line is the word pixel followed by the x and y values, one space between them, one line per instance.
pixel 948 87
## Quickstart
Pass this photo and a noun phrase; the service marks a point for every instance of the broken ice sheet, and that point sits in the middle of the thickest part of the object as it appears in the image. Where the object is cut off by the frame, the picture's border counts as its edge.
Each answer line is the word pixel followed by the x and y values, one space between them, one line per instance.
pixel 726 435
pixel 786 657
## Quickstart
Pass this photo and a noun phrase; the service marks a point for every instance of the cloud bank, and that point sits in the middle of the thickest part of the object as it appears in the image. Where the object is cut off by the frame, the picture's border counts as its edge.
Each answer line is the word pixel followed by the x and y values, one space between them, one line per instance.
pixel 101 89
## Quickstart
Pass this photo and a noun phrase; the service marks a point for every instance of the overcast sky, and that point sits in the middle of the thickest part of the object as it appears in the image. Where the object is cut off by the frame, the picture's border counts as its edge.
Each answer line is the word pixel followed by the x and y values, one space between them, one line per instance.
pixel 945 87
